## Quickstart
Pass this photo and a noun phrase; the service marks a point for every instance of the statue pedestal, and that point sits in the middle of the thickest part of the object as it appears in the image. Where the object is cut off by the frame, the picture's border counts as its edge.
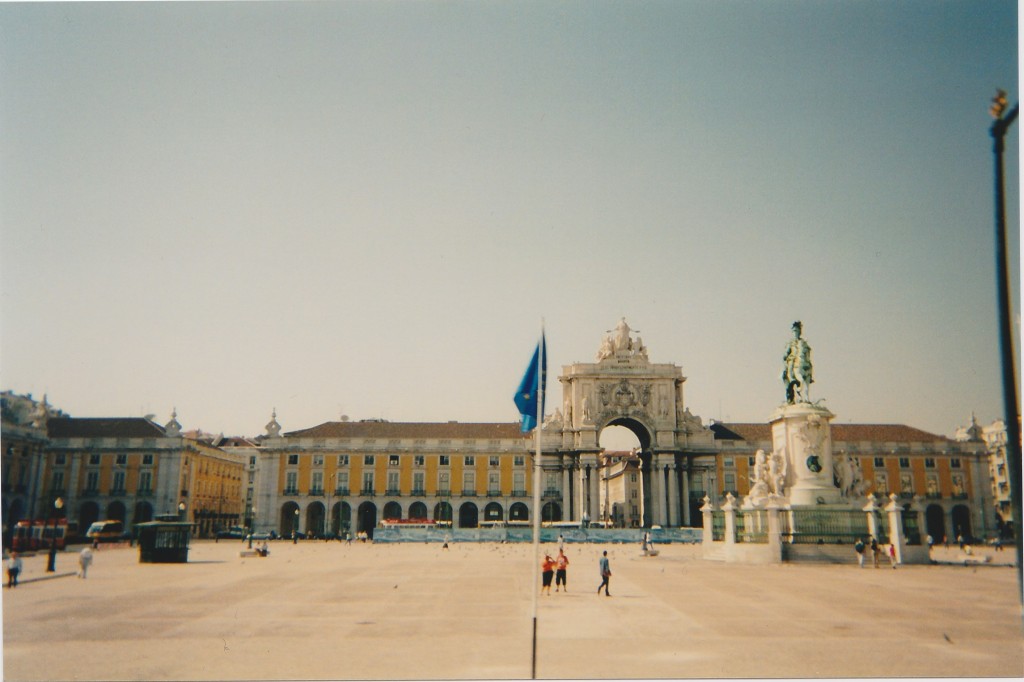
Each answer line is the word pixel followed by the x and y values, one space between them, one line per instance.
pixel 802 431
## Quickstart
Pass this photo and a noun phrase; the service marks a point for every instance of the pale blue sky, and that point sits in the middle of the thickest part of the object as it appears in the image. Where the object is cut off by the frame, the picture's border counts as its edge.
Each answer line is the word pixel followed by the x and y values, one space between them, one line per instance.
pixel 367 207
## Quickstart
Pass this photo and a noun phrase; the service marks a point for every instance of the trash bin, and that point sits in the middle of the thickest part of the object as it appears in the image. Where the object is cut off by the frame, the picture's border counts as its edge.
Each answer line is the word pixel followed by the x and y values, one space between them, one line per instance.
pixel 163 542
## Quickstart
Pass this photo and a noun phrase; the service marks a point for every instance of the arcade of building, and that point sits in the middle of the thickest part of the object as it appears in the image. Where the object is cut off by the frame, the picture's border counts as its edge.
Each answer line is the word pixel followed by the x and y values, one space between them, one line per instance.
pixel 348 476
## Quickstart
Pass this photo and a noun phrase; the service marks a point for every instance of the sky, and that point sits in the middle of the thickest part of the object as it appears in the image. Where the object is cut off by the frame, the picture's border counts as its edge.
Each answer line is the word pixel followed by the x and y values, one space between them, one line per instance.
pixel 371 208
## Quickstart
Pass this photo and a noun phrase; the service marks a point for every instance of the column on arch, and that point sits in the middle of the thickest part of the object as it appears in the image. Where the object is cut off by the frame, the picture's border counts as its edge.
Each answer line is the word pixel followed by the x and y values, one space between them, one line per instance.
pixel 566 488
pixel 595 492
pixel 686 494
pixel 657 492
pixel 673 494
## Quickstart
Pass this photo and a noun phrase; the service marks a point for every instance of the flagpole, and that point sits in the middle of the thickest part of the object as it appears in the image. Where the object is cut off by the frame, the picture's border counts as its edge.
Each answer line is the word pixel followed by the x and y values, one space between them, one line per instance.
pixel 536 494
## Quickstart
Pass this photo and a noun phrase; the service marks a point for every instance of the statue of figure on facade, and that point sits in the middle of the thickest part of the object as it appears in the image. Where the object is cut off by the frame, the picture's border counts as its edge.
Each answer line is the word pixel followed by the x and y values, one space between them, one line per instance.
pixel 586 410
pixel 553 420
pixel 640 348
pixel 797 370
pixel 606 350
pixel 622 340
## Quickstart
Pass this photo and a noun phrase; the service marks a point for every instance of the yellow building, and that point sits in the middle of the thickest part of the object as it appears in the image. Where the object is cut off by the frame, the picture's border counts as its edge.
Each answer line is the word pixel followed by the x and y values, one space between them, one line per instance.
pixel 368 471
pixel 132 469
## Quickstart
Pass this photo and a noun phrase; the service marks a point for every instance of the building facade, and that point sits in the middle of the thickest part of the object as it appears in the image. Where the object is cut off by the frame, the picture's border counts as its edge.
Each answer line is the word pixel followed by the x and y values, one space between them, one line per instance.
pixel 345 477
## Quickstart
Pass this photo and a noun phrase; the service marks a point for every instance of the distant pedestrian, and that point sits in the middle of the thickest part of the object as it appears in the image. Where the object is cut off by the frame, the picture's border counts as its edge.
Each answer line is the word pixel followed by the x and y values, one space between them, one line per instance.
pixel 606 573
pixel 960 541
pixel 561 542
pixel 84 559
pixel 931 542
pixel 547 567
pixel 875 551
pixel 892 554
pixel 945 542
pixel 13 569
pixel 859 548
pixel 445 545
pixel 561 566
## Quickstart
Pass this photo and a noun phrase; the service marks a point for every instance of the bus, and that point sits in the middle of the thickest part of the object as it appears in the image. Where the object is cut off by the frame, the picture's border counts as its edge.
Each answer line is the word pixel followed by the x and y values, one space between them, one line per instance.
pixel 39 534
pixel 106 531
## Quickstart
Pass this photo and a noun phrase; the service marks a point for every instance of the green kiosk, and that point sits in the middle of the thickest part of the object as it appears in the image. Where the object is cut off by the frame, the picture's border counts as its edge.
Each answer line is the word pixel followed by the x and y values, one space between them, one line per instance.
pixel 163 542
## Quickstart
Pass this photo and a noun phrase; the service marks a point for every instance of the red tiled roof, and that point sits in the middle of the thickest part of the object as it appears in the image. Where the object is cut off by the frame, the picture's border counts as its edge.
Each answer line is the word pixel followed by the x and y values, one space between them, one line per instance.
pixel 104 427
pixel 409 430
pixel 877 433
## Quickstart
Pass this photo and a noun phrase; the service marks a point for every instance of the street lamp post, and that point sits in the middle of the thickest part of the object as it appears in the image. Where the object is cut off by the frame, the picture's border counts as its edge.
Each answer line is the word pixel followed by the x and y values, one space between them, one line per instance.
pixel 51 563
pixel 295 531
pixel 252 523
pixel 1012 417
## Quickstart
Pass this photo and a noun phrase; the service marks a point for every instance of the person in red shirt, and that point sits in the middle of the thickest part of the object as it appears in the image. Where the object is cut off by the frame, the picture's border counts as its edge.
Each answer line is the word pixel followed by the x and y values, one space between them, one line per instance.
pixel 561 564
pixel 547 568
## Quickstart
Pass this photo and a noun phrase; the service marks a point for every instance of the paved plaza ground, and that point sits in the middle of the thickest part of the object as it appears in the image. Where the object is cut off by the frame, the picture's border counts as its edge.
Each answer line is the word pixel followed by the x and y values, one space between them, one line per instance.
pixel 320 610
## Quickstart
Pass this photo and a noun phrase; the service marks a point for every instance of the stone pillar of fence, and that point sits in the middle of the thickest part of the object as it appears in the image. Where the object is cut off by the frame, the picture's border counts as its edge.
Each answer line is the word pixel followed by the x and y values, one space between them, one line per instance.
pixel 870 508
pixel 895 512
pixel 708 511
pixel 774 527
pixel 730 519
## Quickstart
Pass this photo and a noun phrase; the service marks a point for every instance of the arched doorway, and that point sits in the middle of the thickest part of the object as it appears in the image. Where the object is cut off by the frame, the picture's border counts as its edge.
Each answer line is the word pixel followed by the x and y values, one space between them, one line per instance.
pixel 962 522
pixel 518 512
pixel 288 522
pixel 469 516
pixel 366 518
pixel 392 511
pixel 443 512
pixel 494 512
pixel 315 519
pixel 345 520
pixel 116 511
pixel 143 512
pixel 417 510
pixel 88 514
pixel 632 462
pixel 551 511
pixel 935 522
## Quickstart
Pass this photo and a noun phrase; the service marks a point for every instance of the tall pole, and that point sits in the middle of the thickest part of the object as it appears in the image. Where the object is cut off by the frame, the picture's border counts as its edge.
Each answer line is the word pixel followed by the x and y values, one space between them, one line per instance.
pixel 1010 403
pixel 542 365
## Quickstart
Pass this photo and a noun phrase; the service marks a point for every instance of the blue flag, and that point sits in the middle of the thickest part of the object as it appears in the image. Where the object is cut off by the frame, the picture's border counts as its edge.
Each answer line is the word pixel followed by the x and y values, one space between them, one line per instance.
pixel 534 381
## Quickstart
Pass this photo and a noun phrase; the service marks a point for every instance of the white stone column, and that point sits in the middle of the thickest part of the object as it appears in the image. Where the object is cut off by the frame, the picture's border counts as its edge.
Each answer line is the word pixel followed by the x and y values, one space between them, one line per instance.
pixel 663 497
pixel 870 508
pixel 595 491
pixel 730 519
pixel 581 490
pixel 895 512
pixel 566 489
pixel 657 495
pixel 673 496
pixel 774 529
pixel 706 512
pixel 686 496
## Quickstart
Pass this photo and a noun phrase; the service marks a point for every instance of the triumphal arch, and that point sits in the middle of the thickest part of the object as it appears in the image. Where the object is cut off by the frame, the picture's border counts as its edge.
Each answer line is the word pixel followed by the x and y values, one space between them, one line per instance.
pixel 624 388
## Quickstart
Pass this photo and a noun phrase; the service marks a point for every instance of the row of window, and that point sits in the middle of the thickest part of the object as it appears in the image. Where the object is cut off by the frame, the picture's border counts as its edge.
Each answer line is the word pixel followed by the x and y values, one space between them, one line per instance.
pixel 417 460
pixel 341 480
pixel 60 459
pixel 879 462
pixel 92 481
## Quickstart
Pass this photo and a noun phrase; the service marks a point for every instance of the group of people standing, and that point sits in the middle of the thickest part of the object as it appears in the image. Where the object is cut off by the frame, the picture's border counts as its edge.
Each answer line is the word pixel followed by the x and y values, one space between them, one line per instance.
pixel 557 568
pixel 876 552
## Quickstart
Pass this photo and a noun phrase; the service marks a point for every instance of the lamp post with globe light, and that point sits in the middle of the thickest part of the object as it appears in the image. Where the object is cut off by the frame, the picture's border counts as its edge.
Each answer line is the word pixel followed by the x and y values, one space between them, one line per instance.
pixel 1003 120
pixel 51 563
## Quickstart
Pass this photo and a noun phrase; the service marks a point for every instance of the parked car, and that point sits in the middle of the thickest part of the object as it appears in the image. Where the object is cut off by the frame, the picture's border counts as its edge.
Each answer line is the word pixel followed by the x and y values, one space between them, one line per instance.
pixel 233 533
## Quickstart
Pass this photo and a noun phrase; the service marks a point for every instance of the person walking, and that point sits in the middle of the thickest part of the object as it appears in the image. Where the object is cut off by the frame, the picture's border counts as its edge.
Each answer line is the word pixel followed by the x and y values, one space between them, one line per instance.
pixel 606 573
pixel 875 550
pixel 13 569
pixel 547 567
pixel 892 554
pixel 84 560
pixel 859 548
pixel 561 565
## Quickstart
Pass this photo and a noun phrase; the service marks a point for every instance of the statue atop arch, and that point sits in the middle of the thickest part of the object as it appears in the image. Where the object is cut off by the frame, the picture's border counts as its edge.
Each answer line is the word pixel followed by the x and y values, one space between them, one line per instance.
pixel 797 374
pixel 619 342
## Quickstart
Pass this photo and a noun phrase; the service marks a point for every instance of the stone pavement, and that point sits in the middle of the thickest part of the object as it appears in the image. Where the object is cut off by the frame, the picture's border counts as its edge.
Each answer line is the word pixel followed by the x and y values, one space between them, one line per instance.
pixel 319 610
